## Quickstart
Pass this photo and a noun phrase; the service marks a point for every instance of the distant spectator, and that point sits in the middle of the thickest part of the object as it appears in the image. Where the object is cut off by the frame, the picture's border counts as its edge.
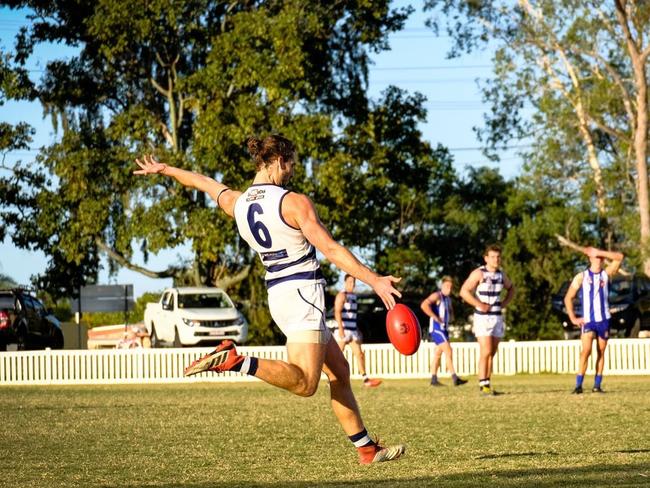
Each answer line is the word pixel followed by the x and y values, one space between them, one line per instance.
pixel 142 334
pixel 130 339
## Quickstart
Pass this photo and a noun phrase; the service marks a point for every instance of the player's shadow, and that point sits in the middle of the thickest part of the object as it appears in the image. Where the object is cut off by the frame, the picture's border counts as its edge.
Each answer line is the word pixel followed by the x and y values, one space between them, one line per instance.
pixel 383 476
pixel 516 454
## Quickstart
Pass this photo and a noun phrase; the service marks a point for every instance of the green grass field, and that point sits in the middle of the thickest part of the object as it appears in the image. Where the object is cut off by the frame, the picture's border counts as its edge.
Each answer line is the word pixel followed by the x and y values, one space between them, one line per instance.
pixel 249 434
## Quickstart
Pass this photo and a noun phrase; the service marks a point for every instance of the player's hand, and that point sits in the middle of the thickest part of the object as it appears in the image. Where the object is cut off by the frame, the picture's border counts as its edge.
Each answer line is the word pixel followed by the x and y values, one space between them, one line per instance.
pixel 384 289
pixel 578 321
pixel 484 307
pixel 149 165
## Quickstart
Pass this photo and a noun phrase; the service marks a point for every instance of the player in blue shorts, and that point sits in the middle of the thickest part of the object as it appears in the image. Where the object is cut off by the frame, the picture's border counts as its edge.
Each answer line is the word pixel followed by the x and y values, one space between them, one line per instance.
pixel 440 311
pixel 593 283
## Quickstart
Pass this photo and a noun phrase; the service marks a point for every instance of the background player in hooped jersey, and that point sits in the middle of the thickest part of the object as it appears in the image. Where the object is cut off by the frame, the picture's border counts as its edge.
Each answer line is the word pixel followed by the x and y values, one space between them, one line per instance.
pixel 347 329
pixel 285 231
pixel 483 289
pixel 440 310
pixel 593 283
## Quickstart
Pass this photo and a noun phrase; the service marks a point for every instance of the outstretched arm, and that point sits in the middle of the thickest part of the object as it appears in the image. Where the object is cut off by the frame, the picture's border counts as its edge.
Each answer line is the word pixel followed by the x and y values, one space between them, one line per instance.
pixel 298 211
pixel 220 193
pixel 615 258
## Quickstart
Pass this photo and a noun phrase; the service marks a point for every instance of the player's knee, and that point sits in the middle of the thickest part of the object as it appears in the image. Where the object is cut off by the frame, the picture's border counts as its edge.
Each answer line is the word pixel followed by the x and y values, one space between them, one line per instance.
pixel 307 389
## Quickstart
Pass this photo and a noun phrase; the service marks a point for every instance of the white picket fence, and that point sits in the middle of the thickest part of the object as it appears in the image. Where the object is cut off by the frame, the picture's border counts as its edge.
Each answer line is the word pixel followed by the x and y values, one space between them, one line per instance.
pixel 624 356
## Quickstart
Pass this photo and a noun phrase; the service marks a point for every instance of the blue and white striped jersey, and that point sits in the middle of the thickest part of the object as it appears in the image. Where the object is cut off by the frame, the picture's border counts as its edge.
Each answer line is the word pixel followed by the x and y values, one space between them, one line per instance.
pixel 285 253
pixel 595 301
pixel 442 310
pixel 349 312
pixel 489 290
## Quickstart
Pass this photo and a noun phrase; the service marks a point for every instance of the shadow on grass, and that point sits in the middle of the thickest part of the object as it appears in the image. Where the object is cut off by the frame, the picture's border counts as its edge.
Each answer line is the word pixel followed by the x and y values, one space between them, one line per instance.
pixel 627 475
pixel 516 454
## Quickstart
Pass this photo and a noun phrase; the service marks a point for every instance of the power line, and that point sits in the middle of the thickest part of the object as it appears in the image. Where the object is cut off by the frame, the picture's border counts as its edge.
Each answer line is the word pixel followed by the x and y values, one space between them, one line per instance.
pixel 426 82
pixel 450 149
pixel 430 68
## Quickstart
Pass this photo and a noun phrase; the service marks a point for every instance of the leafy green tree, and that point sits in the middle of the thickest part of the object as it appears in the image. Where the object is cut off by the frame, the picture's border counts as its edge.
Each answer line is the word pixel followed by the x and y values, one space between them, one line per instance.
pixel 534 259
pixel 580 68
pixel 383 190
pixel 7 281
pixel 189 81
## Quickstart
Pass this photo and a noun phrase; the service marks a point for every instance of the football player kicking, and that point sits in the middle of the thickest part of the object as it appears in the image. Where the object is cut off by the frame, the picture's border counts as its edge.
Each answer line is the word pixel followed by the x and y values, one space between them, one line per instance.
pixel 285 231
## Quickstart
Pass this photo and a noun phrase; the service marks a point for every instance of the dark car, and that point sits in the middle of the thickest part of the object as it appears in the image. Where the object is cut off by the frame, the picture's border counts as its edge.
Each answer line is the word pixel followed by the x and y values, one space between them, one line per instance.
pixel 24 321
pixel 371 315
pixel 629 305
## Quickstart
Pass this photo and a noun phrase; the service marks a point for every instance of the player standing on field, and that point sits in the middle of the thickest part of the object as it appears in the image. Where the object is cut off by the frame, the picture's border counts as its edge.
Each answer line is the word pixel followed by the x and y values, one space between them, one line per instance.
pixel 347 329
pixel 483 290
pixel 440 310
pixel 285 231
pixel 593 283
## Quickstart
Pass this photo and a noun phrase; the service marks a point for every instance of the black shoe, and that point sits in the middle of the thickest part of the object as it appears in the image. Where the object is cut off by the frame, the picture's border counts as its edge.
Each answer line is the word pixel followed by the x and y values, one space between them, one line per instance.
pixel 459 381
pixel 597 389
pixel 577 390
pixel 436 383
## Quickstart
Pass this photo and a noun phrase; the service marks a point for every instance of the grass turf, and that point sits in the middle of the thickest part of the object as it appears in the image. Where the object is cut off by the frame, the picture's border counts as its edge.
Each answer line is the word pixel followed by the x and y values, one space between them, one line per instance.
pixel 249 434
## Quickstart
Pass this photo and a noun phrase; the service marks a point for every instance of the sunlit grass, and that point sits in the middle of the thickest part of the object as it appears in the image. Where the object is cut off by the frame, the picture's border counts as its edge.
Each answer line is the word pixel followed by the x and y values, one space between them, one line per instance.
pixel 250 434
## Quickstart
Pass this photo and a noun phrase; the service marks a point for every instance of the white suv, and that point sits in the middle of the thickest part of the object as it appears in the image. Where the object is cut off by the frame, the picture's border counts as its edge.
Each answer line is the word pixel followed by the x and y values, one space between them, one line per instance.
pixel 194 316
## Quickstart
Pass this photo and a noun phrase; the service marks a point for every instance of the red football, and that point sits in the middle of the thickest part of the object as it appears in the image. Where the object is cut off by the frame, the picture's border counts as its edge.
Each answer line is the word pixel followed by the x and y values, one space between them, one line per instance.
pixel 403 329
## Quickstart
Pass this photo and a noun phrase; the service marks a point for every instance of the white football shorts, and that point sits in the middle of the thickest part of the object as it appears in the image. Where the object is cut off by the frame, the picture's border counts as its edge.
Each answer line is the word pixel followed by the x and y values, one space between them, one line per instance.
pixel 348 335
pixel 300 313
pixel 489 325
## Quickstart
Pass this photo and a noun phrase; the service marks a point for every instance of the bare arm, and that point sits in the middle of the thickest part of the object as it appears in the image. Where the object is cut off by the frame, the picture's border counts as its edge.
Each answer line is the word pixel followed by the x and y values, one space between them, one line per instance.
pixel 427 306
pixel 338 312
pixel 468 289
pixel 299 211
pixel 568 300
pixel 615 258
pixel 510 289
pixel 220 193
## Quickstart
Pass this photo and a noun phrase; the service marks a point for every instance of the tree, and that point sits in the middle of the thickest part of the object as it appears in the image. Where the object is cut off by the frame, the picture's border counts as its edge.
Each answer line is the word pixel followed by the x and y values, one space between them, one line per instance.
pixel 190 81
pixel 7 281
pixel 534 259
pixel 384 190
pixel 581 67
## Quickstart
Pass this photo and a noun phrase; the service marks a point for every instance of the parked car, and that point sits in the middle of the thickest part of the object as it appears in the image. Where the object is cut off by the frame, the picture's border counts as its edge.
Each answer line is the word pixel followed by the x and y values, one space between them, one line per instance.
pixel 194 316
pixel 26 322
pixel 629 305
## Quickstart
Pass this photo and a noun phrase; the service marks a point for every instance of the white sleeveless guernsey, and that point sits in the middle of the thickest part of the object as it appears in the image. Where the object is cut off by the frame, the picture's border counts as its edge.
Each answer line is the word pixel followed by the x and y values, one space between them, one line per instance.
pixel 288 257
pixel 489 291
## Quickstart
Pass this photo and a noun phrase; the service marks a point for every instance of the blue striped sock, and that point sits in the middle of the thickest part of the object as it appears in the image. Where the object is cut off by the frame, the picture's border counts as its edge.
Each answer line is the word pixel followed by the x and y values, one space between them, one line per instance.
pixel 247 366
pixel 362 439
pixel 579 379
pixel 598 380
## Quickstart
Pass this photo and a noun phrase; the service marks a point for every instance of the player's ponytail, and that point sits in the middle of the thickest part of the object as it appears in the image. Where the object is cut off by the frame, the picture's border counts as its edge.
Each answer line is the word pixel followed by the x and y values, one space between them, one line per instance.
pixel 265 151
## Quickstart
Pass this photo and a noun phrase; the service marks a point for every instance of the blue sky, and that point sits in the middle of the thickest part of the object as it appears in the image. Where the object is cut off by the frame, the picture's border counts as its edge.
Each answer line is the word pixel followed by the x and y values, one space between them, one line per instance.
pixel 416 62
